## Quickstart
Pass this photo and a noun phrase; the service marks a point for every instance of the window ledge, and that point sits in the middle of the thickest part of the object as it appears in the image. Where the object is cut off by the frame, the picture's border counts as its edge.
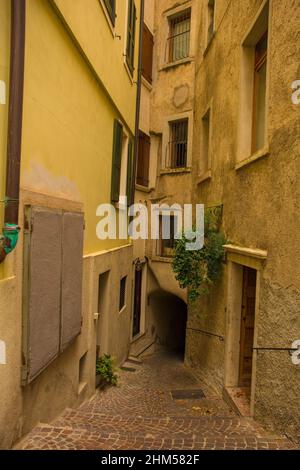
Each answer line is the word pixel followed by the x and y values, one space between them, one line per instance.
pixel 146 84
pixel 209 44
pixel 161 259
pixel 144 189
pixel 253 158
pixel 177 63
pixel 174 171
pixel 205 177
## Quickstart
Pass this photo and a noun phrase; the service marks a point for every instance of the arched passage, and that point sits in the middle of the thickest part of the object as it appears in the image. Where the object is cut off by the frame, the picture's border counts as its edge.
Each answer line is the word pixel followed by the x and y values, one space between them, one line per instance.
pixel 169 317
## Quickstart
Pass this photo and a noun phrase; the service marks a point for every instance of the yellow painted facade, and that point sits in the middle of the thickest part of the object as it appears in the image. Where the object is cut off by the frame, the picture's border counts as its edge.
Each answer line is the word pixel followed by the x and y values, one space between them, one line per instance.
pixel 76 84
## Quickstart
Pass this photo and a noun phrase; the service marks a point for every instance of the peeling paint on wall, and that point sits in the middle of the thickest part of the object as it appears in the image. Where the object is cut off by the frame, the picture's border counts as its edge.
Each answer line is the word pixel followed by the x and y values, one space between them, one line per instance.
pixel 39 179
pixel 2 353
pixel 2 92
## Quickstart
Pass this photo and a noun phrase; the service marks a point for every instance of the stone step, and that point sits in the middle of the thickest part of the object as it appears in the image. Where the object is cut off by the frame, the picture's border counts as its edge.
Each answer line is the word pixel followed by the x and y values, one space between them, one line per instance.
pixel 183 427
pixel 48 437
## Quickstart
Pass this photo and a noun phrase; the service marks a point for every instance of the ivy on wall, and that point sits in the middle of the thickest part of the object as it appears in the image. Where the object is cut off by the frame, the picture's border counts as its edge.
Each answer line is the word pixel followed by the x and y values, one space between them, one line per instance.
pixel 198 270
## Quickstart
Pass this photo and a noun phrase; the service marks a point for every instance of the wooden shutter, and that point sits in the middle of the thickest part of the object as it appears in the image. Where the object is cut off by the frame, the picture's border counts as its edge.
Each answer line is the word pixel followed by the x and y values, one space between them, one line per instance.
pixel 130 49
pixel 71 294
pixel 147 54
pixel 43 293
pixel 52 287
pixel 142 177
pixel 111 9
pixel 130 188
pixel 116 161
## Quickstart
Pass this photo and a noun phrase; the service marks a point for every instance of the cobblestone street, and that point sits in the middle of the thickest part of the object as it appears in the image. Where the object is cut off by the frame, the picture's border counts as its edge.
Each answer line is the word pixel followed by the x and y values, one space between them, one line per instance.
pixel 141 414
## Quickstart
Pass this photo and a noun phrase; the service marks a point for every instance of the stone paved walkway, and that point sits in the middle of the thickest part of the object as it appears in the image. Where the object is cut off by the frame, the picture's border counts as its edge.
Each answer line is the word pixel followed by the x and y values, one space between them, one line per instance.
pixel 141 414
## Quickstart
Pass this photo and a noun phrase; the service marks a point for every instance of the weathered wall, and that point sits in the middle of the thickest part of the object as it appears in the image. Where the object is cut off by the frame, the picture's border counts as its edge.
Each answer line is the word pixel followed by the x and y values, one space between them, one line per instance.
pixel 261 200
pixel 171 94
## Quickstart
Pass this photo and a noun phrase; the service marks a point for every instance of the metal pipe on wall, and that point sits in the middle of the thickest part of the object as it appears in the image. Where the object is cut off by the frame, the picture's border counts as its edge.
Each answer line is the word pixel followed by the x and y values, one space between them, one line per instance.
pixel 15 114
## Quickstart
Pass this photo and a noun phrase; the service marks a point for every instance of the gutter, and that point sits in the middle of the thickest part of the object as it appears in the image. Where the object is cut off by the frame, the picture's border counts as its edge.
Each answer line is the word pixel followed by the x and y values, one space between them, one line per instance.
pixel 9 237
pixel 138 100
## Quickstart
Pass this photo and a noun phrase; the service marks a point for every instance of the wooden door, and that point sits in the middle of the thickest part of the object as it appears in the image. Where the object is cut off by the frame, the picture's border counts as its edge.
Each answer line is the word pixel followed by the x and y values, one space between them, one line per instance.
pixel 247 327
pixel 136 326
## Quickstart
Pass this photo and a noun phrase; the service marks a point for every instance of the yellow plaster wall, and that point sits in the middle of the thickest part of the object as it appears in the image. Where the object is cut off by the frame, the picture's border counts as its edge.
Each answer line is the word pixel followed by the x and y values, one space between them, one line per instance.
pixel 68 117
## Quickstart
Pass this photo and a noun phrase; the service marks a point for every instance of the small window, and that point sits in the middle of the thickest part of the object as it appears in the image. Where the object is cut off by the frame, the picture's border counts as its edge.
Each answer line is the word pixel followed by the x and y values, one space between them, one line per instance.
pixel 130 48
pixel 179 38
pixel 142 177
pixel 205 154
pixel 259 93
pixel 122 293
pixel 211 20
pixel 167 232
pixel 178 144
pixel 111 10
pixel 147 54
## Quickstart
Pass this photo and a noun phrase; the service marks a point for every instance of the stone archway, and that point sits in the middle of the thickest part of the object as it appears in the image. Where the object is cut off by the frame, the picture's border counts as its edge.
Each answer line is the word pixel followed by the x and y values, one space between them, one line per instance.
pixel 169 318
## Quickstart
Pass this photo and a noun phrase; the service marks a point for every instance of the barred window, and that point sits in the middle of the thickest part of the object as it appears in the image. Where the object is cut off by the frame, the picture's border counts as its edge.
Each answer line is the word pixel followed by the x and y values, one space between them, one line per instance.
pixel 178 144
pixel 179 39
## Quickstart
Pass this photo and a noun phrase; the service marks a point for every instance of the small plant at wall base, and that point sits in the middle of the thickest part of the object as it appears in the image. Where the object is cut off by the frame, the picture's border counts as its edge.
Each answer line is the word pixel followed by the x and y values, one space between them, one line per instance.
pixel 105 370
pixel 199 270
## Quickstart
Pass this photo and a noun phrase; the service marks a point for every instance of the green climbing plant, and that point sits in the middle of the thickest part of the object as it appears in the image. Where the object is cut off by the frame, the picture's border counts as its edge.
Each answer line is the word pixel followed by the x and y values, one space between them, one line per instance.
pixel 198 270
pixel 106 370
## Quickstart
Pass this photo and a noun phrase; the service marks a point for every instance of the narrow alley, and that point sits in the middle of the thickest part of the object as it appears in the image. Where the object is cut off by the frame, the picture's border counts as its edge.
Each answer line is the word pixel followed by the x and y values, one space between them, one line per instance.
pixel 150 410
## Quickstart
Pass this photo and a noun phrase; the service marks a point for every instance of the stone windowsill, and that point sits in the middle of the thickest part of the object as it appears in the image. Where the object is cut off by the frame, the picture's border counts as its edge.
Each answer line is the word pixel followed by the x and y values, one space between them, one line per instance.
pixel 253 158
pixel 143 189
pixel 177 63
pixel 207 176
pixel 146 84
pixel 161 259
pixel 174 171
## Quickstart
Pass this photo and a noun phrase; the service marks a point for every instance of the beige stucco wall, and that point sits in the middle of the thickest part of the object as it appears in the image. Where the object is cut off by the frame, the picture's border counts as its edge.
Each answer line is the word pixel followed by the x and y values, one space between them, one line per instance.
pixel 261 201
pixel 171 96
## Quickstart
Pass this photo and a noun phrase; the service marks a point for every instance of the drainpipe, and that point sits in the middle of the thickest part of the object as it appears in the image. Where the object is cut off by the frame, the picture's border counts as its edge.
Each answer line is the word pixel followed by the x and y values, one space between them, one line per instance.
pixel 9 238
pixel 138 99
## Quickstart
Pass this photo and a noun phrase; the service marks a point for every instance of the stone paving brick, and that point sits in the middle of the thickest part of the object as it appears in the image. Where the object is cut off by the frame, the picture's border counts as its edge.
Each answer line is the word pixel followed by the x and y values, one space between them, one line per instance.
pixel 141 414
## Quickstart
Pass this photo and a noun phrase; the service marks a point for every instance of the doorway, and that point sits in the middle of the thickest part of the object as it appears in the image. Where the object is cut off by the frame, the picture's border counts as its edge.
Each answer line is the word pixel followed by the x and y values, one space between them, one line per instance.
pixel 102 323
pixel 241 331
pixel 137 303
pixel 247 327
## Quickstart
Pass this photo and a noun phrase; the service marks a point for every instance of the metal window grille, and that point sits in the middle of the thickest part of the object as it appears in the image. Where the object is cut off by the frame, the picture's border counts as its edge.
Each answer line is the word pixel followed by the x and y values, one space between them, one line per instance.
pixel 178 144
pixel 122 293
pixel 179 39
